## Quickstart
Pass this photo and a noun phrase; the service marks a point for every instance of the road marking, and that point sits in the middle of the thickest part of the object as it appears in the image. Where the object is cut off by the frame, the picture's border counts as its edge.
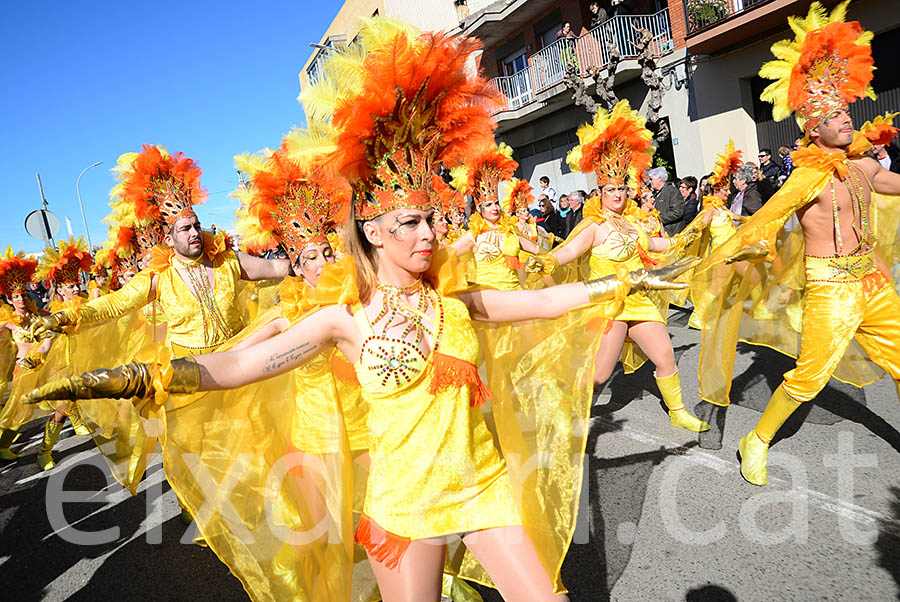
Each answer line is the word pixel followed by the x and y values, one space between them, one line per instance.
pixel 821 500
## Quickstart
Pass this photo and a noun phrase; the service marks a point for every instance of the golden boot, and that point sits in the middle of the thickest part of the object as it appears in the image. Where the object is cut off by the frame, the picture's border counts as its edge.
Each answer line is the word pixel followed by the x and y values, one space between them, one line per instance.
pixel 77 422
pixel 6 439
pixel 51 436
pixel 754 447
pixel 670 388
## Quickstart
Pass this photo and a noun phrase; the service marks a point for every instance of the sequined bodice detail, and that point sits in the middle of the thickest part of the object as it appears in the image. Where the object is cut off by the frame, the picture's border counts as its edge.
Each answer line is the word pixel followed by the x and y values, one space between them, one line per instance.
pixel 620 247
pixel 392 363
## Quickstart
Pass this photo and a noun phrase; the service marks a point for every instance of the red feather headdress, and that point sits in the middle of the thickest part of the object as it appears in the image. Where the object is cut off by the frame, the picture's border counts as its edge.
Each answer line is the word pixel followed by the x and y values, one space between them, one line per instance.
pixel 16 271
pixel 398 104
pixel 288 204
pixel 63 265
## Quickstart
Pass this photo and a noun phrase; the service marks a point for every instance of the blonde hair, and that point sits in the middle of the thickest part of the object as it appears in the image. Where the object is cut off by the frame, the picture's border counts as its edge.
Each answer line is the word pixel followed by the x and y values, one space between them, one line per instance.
pixel 364 255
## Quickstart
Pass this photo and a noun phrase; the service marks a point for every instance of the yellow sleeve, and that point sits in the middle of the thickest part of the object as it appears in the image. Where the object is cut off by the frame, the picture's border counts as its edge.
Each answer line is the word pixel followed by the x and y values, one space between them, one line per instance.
pixel 130 297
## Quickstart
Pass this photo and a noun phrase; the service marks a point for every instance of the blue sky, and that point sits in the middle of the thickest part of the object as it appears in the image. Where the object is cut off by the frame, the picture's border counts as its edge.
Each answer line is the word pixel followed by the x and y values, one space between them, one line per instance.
pixel 88 81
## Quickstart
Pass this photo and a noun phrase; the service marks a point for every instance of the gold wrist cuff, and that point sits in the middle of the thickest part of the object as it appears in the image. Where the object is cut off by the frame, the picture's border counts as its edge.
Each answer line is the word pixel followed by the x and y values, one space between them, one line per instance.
pixel 185 376
pixel 602 289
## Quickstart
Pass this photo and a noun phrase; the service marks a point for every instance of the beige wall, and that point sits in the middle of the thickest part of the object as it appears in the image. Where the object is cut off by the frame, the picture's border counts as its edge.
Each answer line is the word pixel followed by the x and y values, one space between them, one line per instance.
pixel 427 15
pixel 423 14
pixel 347 23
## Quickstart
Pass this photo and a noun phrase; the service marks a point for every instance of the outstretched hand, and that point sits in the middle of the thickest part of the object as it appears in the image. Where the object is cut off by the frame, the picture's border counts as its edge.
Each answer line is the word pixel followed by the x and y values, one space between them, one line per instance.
pixel 44 325
pixel 132 380
pixel 757 250
pixel 661 278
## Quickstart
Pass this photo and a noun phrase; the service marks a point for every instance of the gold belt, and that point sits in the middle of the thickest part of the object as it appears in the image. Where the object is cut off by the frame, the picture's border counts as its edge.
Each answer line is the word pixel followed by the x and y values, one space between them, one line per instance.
pixel 840 268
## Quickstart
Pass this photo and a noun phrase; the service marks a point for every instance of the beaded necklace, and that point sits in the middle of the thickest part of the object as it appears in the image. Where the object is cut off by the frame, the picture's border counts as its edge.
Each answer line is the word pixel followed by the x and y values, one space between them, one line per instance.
pixel 860 214
pixel 210 313
pixel 620 224
pixel 393 307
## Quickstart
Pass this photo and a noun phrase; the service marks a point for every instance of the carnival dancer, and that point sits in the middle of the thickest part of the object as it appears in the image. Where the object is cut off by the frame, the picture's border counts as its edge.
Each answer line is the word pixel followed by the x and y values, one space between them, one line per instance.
pixel 62 267
pixel 840 248
pixel 516 199
pixel 616 146
pixel 493 237
pixel 16 272
pixel 714 213
pixel 397 306
pixel 100 283
pixel 194 274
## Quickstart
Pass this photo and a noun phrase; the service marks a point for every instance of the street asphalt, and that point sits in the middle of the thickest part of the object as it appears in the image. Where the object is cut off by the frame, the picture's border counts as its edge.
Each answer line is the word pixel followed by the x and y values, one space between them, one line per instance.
pixel 666 515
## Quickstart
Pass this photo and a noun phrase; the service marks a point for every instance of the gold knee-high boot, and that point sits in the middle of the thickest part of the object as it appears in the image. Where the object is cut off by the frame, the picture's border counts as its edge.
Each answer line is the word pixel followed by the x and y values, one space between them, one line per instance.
pixel 670 388
pixel 77 422
pixel 6 439
pixel 51 436
pixel 754 447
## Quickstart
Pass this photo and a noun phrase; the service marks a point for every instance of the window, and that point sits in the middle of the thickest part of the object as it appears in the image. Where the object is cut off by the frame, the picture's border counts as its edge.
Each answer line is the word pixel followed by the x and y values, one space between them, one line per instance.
pixel 549 36
pixel 515 62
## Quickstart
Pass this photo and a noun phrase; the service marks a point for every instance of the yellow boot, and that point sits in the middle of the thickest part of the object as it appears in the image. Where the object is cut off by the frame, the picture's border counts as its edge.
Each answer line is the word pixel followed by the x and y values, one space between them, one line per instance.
pixel 77 423
pixel 6 439
pixel 670 388
pixel 754 447
pixel 51 436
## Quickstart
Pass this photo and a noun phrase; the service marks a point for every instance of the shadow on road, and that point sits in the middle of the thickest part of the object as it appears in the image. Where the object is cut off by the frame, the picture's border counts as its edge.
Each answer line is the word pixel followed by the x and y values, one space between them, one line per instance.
pixel 710 593
pixel 37 559
pixel 753 388
pixel 888 543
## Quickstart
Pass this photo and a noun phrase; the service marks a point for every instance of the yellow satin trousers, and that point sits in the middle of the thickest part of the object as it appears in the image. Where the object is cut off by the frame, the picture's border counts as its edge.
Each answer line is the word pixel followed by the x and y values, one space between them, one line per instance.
pixel 864 307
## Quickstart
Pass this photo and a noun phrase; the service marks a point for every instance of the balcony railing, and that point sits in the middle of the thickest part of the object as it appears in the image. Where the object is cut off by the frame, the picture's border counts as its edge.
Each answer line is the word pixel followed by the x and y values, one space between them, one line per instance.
pixel 701 14
pixel 547 67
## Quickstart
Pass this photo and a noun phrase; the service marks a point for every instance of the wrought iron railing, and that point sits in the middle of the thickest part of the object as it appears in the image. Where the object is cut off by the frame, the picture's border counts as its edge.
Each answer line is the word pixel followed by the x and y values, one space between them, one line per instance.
pixel 547 67
pixel 700 14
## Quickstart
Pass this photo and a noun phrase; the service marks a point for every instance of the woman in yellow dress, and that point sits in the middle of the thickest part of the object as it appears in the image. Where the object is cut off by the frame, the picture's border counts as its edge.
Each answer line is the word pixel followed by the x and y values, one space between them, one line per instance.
pixel 62 266
pixel 617 147
pixel 398 307
pixel 16 272
pixel 493 237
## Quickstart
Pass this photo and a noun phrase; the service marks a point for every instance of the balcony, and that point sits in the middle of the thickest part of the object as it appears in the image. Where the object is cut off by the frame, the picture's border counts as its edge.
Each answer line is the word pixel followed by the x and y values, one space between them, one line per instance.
pixel 701 14
pixel 547 68
pixel 716 25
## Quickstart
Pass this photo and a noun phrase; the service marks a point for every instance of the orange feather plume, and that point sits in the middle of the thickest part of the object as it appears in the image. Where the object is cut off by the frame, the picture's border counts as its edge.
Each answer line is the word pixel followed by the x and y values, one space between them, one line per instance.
pixel 417 104
pixel 16 271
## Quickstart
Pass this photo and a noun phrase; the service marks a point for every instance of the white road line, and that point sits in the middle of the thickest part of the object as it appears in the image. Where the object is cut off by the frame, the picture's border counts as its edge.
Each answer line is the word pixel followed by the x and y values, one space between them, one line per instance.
pixel 822 500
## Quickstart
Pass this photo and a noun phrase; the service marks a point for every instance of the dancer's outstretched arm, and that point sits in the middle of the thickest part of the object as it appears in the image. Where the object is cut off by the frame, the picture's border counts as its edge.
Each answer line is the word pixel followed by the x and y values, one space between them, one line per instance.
pixel 554 301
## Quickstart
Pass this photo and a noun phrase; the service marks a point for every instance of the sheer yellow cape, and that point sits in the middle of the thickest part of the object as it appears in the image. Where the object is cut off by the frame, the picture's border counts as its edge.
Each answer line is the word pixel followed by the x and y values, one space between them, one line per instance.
pixel 760 302
pixel 632 357
pixel 287 534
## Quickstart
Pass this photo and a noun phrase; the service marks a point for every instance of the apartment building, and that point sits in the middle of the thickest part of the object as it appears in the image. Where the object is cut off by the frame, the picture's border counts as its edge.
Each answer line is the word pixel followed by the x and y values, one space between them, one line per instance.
pixel 709 52
pixel 727 42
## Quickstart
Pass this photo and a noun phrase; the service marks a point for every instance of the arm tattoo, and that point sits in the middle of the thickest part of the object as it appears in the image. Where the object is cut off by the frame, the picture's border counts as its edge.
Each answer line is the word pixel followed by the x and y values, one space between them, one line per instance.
pixel 278 360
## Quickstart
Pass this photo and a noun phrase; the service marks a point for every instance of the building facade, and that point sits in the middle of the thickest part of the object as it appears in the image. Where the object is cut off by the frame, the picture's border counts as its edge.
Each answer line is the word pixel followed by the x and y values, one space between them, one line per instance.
pixel 708 51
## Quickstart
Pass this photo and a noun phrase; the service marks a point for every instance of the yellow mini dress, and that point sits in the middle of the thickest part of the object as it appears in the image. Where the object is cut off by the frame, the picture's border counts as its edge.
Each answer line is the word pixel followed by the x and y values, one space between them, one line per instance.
pixel 329 398
pixel 434 468
pixel 621 251
pixel 496 253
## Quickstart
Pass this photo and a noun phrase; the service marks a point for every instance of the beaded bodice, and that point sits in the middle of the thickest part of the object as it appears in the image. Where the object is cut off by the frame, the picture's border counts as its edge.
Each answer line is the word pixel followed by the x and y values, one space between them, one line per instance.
pixel 400 340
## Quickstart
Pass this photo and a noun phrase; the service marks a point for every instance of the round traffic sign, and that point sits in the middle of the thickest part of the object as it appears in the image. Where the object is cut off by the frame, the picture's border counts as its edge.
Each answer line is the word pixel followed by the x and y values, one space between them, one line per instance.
pixel 42 224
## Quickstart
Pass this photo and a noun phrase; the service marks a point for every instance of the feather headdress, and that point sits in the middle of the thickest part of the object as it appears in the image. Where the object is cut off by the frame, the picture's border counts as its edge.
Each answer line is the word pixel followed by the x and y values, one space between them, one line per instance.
pixel 16 271
pixel 519 195
pixel 286 203
pixel 394 106
pixel 64 264
pixel 827 66
pixel 616 146
pixel 447 199
pixel 880 130
pixel 155 189
pixel 482 175
pixel 726 165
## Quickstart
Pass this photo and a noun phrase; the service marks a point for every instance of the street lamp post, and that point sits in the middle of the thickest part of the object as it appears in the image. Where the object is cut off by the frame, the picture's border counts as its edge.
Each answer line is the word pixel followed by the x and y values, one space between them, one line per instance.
pixel 80 204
